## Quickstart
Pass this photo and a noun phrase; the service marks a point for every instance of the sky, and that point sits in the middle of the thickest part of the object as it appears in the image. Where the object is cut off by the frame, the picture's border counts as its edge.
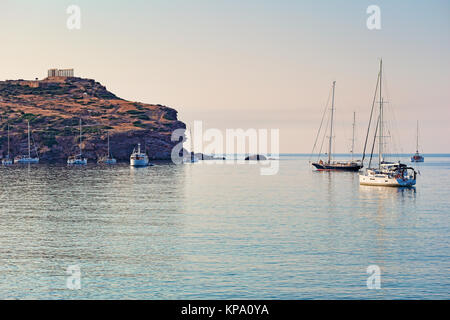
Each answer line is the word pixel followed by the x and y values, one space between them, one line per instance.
pixel 250 64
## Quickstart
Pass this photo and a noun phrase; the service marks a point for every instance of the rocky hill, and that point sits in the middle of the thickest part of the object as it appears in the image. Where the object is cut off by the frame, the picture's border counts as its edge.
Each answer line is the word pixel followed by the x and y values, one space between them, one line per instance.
pixel 53 107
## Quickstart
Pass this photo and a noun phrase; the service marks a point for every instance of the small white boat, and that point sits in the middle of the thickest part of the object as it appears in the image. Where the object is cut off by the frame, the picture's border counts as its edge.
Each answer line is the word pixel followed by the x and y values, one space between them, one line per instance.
pixel 78 159
pixel 7 160
pixel 388 174
pixel 27 158
pixel 108 159
pixel 138 158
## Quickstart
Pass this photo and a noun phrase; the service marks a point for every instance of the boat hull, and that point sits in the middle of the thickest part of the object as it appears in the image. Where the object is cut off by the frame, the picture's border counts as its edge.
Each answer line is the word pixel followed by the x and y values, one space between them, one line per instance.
pixel 27 160
pixel 138 158
pixel 385 181
pixel 107 161
pixel 110 161
pixel 421 159
pixel 342 167
pixel 139 163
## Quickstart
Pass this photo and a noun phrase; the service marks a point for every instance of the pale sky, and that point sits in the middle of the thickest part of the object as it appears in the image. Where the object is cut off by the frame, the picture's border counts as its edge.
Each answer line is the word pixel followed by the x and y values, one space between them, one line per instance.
pixel 249 64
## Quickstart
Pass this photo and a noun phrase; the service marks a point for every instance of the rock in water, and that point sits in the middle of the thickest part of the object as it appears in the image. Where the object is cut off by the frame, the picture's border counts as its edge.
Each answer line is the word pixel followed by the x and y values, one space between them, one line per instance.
pixel 256 157
pixel 54 105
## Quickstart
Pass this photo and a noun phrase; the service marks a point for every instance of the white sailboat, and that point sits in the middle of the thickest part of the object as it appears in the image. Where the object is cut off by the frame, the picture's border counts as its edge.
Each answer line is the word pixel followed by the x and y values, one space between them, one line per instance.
pixel 7 160
pixel 78 159
pixel 388 174
pixel 138 158
pixel 108 159
pixel 27 158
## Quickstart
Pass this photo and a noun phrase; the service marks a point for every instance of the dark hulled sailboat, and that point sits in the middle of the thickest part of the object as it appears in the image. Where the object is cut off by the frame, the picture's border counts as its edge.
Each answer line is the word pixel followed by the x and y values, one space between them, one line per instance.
pixel 417 157
pixel 329 164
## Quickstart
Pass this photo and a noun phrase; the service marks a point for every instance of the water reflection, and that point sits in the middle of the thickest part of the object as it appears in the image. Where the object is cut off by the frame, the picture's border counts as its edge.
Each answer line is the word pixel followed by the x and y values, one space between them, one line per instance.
pixel 96 217
pixel 387 193
pixel 219 231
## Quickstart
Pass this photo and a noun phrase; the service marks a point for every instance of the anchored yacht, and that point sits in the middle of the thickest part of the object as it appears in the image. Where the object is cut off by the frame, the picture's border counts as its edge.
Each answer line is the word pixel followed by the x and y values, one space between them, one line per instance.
pixel 388 174
pixel 78 159
pixel 109 158
pixel 27 158
pixel 329 164
pixel 417 157
pixel 7 160
pixel 138 158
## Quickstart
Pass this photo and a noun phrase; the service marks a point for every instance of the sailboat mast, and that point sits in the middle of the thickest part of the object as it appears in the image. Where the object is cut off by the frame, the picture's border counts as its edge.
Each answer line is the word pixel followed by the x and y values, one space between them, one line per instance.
pixel 108 145
pixel 80 138
pixel 29 149
pixel 417 142
pixel 331 125
pixel 380 141
pixel 192 145
pixel 353 135
pixel 8 140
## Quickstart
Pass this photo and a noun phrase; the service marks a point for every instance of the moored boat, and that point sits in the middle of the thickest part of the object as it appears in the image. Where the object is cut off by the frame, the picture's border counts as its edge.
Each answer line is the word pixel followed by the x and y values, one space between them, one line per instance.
pixel 107 161
pixel 417 157
pixel 109 158
pixel 23 159
pixel 138 158
pixel 330 164
pixel 7 160
pixel 78 159
pixel 338 165
pixel 388 174
pixel 394 175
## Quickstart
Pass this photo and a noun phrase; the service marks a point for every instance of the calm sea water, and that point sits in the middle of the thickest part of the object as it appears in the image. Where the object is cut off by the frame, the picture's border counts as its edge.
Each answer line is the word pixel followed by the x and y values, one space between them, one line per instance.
pixel 214 231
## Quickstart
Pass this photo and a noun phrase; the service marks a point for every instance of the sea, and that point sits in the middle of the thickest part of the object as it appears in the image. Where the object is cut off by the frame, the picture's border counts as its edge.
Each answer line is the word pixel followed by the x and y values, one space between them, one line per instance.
pixel 216 230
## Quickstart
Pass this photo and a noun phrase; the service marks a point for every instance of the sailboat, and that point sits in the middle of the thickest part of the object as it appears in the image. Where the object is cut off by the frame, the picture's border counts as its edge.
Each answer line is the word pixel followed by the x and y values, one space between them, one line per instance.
pixel 27 158
pixel 388 174
pixel 417 157
pixel 138 158
pixel 78 159
pixel 353 135
pixel 7 160
pixel 108 159
pixel 329 164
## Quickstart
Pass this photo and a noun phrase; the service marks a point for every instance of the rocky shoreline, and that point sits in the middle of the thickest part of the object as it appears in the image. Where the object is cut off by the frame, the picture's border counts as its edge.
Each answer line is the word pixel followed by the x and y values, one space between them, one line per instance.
pixel 53 106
